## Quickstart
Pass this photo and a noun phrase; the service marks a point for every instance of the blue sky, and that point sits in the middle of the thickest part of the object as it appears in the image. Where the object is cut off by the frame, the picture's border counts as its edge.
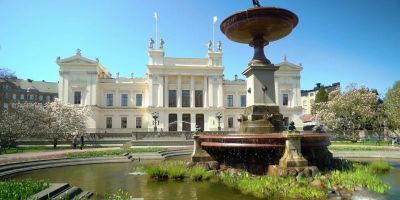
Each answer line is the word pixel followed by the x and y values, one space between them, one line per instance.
pixel 336 41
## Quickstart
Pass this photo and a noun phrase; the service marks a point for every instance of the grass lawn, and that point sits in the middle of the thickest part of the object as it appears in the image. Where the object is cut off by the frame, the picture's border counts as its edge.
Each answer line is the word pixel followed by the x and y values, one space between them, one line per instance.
pixel 42 149
pixel 114 152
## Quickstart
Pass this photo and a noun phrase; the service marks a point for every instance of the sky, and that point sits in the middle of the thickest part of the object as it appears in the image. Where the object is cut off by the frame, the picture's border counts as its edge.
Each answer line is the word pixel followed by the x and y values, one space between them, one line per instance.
pixel 344 41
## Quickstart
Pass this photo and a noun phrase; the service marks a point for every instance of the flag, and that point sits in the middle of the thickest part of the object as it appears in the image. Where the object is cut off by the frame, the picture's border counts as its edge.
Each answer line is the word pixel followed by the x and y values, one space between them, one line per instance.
pixel 215 19
pixel 155 15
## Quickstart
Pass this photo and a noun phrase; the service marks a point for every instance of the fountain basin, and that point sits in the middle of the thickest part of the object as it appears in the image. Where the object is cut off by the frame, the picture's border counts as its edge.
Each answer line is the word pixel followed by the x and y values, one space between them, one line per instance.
pixel 268 22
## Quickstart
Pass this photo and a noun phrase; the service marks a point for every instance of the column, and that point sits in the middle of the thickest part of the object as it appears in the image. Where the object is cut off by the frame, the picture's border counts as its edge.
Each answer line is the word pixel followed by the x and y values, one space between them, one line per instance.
pixel 276 91
pixel 61 85
pixel 150 92
pixel 160 92
pixel 179 119
pixel 66 88
pixel 166 91
pixel 220 94
pixel 192 121
pixel 192 92
pixel 205 92
pixel 166 125
pixel 88 93
pixel 179 91
pixel 210 91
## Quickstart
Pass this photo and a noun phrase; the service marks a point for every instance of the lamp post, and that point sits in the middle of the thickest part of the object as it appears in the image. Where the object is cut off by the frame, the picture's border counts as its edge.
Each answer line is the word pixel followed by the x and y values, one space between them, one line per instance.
pixel 219 116
pixel 155 116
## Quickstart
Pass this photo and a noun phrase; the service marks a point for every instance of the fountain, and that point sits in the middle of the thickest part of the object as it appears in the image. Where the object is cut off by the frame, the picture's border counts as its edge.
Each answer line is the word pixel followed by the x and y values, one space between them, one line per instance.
pixel 260 143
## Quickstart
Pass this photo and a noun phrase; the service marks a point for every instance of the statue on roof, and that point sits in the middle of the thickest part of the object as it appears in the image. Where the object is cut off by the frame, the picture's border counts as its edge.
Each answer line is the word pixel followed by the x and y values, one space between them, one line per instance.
pixel 209 44
pixel 78 52
pixel 162 43
pixel 256 3
pixel 151 43
pixel 219 46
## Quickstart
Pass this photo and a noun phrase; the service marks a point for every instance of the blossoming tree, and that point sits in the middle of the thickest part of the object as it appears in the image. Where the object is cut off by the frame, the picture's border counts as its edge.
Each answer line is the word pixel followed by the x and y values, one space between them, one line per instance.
pixel 347 112
pixel 392 107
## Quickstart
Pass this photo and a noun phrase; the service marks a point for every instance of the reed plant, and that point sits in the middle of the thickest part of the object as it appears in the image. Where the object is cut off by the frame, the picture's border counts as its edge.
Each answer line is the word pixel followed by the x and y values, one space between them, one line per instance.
pixel 199 173
pixel 21 189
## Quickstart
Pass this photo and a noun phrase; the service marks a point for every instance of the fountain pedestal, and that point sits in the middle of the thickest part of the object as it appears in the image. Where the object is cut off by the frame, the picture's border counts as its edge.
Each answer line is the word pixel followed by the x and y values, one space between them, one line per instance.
pixel 292 156
pixel 199 154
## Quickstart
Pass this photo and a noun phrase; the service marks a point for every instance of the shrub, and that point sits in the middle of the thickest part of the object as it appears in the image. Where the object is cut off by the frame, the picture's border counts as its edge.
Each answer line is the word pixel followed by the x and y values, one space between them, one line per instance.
pixel 379 167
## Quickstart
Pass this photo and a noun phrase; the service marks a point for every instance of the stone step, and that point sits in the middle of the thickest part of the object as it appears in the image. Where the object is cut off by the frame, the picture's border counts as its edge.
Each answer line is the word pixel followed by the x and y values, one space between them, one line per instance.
pixel 52 190
pixel 51 165
pixel 69 193
pixel 162 143
pixel 84 195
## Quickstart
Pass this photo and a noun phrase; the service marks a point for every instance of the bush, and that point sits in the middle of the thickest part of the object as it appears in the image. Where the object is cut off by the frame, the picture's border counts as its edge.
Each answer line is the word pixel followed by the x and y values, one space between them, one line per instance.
pixel 16 190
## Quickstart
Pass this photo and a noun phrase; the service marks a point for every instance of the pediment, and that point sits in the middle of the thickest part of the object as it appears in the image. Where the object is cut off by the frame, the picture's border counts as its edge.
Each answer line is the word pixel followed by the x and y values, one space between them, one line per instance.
pixel 287 66
pixel 77 60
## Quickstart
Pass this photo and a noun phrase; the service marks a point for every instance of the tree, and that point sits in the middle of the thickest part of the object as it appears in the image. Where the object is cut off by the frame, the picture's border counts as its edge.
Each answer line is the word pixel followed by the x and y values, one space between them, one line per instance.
pixel 63 121
pixel 346 113
pixel 6 74
pixel 392 107
pixel 321 96
pixel 19 122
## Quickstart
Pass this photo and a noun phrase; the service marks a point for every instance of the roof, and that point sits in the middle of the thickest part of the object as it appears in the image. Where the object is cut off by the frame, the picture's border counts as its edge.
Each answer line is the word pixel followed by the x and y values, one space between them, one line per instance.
pixel 41 86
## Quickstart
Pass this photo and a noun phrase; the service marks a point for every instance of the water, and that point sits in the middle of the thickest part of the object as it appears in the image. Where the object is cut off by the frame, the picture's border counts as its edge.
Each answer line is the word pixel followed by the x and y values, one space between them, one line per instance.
pixel 105 179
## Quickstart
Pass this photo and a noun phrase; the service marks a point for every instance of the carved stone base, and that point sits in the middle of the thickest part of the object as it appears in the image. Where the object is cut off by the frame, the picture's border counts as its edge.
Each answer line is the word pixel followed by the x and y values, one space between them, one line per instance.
pixel 261 119
pixel 292 156
pixel 199 154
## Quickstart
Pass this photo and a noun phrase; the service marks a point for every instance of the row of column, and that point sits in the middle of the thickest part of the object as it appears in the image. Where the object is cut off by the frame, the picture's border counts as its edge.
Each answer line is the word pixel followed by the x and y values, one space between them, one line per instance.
pixel 163 92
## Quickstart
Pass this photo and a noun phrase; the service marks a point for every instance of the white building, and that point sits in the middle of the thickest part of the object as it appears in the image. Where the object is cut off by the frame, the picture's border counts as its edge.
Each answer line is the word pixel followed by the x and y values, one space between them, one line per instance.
pixel 185 92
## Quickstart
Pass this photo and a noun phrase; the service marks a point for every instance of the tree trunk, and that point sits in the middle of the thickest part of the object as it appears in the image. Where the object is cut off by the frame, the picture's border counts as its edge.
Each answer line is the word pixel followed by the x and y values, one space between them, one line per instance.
pixel 55 143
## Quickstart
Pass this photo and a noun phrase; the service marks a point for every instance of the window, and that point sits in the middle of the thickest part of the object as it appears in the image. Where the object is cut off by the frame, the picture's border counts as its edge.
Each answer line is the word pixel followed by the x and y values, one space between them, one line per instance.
pixel 242 100
pixel 230 122
pixel 22 97
pixel 285 99
pixel 139 100
pixel 31 97
pixel 124 122
pixel 185 98
pixel 48 98
pixel 198 99
pixel 40 98
pixel 172 98
pixel 109 122
pixel 185 122
pixel 138 122
pixel 14 96
pixel 5 106
pixel 124 99
pixel 312 94
pixel 109 99
pixel 172 122
pixel 77 97
pixel 230 101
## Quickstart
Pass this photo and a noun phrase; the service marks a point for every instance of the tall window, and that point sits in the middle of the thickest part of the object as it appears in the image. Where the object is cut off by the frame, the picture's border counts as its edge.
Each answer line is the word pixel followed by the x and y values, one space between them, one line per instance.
pixel 124 99
pixel 230 101
pixel 22 97
pixel 172 98
pixel 185 122
pixel 172 122
pixel 48 98
pixel 109 99
pixel 77 97
pixel 138 122
pixel 31 97
pixel 40 98
pixel 230 122
pixel 124 122
pixel 139 100
pixel 14 96
pixel 242 100
pixel 285 99
pixel 185 98
pixel 109 122
pixel 198 99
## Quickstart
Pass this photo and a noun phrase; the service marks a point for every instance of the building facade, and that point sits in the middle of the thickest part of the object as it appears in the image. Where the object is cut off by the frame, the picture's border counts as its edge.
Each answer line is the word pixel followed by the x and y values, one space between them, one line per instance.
pixel 176 94
pixel 308 97
pixel 14 91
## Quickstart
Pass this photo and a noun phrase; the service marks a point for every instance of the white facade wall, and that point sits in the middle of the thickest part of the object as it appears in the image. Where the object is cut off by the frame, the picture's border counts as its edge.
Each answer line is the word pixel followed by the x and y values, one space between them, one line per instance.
pixel 79 74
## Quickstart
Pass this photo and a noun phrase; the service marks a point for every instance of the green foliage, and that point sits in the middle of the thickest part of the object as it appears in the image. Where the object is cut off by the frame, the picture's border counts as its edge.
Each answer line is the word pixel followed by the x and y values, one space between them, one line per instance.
pixel 16 190
pixel 176 169
pixel 199 173
pixel 114 152
pixel 392 106
pixel 356 148
pixel 120 195
pixel 321 96
pixel 272 187
pixel 379 167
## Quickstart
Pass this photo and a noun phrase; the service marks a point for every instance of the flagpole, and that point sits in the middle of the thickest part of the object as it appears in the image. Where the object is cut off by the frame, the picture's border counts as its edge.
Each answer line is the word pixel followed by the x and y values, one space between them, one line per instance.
pixel 156 17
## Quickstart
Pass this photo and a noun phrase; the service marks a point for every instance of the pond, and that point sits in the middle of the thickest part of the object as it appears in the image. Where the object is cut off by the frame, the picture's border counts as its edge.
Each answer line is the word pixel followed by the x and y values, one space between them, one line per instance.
pixel 105 179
